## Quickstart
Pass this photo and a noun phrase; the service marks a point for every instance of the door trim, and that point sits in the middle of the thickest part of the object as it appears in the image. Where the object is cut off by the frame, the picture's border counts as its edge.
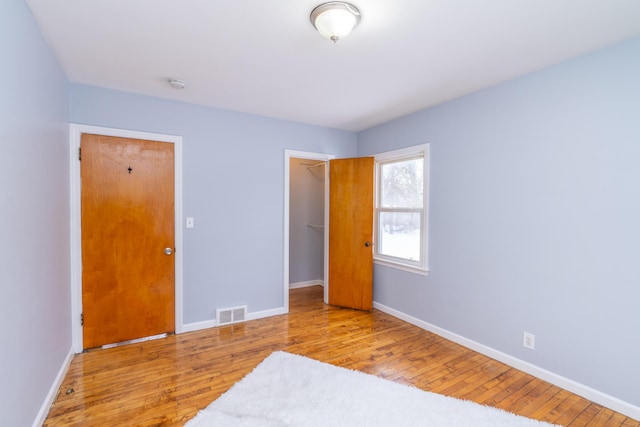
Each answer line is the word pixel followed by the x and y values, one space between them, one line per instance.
pixel 288 154
pixel 75 134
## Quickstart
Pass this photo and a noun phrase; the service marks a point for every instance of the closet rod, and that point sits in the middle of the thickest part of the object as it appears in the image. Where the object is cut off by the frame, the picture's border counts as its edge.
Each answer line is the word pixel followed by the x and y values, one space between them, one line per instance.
pixel 309 166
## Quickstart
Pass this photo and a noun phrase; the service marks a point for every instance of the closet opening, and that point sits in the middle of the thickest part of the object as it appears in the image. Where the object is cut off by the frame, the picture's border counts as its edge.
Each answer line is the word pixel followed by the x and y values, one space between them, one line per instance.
pixel 306 221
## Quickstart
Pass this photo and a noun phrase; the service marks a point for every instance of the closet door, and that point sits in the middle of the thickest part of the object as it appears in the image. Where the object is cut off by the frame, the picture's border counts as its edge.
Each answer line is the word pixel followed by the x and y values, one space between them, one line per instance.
pixel 351 233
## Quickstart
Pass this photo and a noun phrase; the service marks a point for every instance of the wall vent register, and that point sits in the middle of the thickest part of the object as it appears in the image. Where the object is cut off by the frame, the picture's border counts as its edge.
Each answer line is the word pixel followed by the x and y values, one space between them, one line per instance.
pixel 227 316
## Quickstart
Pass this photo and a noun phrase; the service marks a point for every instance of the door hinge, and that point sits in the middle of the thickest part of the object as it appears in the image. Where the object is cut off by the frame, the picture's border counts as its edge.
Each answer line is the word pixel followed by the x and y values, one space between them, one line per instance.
pixel 81 319
pixel 79 153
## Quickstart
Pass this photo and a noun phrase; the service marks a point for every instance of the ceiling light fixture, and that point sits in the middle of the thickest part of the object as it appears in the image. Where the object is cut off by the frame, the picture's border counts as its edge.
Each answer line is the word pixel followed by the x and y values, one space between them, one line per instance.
pixel 335 19
pixel 177 84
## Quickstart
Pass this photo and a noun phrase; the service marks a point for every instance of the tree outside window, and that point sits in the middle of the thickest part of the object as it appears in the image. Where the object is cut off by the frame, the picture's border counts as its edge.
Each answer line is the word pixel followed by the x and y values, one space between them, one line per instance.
pixel 401 207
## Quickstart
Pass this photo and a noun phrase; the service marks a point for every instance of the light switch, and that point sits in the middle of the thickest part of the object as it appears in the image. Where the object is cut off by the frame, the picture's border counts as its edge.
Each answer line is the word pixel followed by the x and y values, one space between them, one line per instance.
pixel 190 222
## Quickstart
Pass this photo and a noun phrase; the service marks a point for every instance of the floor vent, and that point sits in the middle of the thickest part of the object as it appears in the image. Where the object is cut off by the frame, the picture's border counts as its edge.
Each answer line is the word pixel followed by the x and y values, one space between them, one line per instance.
pixel 226 316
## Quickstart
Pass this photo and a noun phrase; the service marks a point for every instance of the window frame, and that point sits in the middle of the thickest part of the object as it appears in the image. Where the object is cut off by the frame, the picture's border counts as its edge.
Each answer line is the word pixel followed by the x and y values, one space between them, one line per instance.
pixel 409 153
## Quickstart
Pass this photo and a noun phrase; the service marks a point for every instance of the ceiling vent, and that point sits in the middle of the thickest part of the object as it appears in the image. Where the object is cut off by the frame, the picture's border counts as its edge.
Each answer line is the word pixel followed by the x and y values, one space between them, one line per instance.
pixel 177 84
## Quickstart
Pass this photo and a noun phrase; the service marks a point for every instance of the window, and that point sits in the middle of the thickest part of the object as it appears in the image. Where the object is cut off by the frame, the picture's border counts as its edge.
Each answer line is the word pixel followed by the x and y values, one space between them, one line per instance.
pixel 401 208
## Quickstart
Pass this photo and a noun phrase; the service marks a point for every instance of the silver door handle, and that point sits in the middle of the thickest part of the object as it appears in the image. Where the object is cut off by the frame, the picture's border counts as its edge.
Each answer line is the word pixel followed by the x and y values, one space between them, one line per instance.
pixel 168 251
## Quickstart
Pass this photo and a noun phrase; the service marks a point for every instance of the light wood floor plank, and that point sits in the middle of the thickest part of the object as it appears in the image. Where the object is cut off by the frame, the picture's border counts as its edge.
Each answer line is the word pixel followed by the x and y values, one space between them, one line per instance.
pixel 165 382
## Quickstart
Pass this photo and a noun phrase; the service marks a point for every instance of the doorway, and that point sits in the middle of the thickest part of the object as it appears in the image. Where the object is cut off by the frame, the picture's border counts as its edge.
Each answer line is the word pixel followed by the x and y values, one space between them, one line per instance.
pixel 76 133
pixel 306 242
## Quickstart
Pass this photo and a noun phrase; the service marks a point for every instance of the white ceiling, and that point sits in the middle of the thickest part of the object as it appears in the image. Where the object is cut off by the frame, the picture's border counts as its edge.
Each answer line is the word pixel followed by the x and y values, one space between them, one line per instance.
pixel 264 56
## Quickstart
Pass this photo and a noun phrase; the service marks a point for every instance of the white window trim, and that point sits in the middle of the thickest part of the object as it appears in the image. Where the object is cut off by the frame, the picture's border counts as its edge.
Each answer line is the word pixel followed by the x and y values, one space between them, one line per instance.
pixel 400 264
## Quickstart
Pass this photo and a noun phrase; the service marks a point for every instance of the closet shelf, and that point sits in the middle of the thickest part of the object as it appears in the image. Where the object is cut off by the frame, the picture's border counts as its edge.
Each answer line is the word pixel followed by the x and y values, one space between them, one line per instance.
pixel 315 226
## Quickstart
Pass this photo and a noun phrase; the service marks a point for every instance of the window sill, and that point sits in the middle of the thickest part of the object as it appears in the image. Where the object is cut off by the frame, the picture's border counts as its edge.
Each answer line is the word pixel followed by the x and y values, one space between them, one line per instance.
pixel 399 266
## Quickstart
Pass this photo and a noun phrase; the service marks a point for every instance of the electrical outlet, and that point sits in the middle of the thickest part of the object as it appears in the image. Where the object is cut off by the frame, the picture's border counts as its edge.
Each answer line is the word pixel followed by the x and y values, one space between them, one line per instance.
pixel 189 222
pixel 529 340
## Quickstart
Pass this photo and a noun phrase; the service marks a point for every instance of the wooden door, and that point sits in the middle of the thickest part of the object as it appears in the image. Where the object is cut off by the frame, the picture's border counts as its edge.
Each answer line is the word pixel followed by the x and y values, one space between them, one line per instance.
pixel 127 202
pixel 350 233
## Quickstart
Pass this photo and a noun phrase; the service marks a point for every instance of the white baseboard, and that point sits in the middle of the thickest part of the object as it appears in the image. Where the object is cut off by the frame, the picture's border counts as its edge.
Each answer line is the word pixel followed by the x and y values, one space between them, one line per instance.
pixel 587 392
pixel 266 313
pixel 306 284
pixel 53 391
pixel 197 326
pixel 206 324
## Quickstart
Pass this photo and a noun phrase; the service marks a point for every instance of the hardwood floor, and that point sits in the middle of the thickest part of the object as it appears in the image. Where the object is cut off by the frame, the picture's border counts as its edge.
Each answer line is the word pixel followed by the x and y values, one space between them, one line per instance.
pixel 165 382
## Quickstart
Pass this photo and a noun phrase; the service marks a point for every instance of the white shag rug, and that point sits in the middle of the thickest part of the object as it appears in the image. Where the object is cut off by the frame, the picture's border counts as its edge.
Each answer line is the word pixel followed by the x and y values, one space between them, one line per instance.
pixel 291 390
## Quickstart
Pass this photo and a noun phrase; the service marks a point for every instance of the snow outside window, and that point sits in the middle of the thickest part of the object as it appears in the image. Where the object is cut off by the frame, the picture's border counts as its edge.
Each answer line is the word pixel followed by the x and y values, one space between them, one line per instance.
pixel 401 209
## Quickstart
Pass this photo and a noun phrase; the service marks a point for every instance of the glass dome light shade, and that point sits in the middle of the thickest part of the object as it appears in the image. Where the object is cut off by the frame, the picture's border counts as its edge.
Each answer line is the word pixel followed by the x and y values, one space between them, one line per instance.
pixel 335 20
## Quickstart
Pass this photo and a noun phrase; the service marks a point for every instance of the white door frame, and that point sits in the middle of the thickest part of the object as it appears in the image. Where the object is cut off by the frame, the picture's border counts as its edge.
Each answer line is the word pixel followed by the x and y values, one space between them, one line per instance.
pixel 75 134
pixel 288 154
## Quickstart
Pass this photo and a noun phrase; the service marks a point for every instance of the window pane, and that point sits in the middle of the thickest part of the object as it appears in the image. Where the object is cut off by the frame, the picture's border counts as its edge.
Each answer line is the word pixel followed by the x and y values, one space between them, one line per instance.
pixel 402 184
pixel 399 235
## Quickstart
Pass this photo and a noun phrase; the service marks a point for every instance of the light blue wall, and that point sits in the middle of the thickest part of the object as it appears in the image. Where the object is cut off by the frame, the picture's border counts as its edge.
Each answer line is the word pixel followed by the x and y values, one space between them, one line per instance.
pixel 535 218
pixel 34 217
pixel 233 187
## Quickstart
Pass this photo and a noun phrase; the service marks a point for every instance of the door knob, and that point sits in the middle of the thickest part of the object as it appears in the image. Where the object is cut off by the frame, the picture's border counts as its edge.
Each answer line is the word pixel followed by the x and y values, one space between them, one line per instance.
pixel 168 251
pixel 367 244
